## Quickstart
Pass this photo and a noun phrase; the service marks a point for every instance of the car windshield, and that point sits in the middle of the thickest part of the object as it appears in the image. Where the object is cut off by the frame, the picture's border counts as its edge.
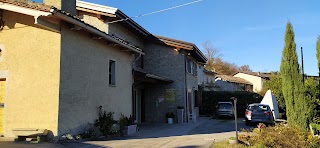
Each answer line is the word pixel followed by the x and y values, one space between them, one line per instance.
pixel 259 107
pixel 225 106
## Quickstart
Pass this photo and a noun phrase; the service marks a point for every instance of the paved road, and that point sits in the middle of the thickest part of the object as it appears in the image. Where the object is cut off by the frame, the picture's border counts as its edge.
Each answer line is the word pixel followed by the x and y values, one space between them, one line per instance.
pixel 196 135
pixel 219 126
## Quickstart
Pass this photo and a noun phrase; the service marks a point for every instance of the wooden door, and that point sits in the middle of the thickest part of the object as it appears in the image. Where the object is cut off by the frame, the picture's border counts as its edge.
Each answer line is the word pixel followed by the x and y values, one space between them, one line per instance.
pixel 2 97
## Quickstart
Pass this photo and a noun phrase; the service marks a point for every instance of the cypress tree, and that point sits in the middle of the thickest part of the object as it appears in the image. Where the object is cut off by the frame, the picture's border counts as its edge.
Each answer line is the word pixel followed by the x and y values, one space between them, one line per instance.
pixel 318 52
pixel 292 86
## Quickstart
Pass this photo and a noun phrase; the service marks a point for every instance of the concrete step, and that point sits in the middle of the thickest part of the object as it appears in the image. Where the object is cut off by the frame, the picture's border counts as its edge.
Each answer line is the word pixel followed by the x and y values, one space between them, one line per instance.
pixel 7 139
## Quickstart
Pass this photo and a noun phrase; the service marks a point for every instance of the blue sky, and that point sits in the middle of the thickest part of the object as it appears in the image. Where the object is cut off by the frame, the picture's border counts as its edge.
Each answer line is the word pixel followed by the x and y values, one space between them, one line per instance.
pixel 246 32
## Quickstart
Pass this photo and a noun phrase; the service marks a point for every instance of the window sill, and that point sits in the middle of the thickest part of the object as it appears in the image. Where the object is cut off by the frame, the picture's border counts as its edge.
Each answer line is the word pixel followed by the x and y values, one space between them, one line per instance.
pixel 112 85
pixel 192 74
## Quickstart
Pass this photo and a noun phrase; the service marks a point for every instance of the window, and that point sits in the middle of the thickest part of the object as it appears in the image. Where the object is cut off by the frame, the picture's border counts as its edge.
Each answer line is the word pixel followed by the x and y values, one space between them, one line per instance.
pixel 112 72
pixel 192 67
pixel 195 72
pixel 189 69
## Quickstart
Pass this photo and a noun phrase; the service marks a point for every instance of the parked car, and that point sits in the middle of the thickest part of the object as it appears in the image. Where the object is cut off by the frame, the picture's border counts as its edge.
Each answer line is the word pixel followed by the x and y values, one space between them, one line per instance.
pixel 225 109
pixel 258 113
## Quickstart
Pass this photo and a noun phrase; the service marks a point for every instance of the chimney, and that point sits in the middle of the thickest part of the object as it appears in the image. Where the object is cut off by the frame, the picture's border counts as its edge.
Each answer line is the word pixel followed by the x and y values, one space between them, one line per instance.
pixel 68 6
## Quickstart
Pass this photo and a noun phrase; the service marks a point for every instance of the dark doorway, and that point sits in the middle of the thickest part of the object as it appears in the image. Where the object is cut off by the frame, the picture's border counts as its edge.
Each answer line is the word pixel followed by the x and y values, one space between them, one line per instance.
pixel 143 106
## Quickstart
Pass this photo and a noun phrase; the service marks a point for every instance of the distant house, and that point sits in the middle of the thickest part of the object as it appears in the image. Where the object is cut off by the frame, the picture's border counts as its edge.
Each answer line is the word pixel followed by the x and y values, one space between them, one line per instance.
pixel 230 83
pixel 256 78
pixel 206 78
pixel 56 70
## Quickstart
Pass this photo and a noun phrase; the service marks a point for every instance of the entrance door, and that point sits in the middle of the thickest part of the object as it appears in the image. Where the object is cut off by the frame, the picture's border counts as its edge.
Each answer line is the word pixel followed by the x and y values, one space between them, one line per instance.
pixel 143 107
pixel 189 105
pixel 2 97
pixel 137 105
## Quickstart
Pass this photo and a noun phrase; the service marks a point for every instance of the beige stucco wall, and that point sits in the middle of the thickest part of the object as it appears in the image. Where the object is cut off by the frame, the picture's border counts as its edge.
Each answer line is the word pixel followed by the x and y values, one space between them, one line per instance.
pixel 84 82
pixel 113 29
pixel 31 65
pixel 94 21
pixel 256 81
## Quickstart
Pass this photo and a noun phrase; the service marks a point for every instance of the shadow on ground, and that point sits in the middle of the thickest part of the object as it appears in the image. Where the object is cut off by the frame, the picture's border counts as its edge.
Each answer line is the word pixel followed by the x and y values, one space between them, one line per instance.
pixel 189 135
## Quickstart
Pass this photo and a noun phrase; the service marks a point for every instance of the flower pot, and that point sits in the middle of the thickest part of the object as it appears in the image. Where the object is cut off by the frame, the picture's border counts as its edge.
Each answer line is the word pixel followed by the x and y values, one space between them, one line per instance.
pixel 131 129
pixel 170 120
pixel 233 141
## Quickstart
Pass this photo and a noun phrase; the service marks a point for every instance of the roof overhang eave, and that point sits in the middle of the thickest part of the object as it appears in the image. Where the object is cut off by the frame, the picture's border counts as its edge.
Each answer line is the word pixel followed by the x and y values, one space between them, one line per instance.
pixel 200 54
pixel 132 23
pixel 91 29
pixel 96 7
pixel 23 10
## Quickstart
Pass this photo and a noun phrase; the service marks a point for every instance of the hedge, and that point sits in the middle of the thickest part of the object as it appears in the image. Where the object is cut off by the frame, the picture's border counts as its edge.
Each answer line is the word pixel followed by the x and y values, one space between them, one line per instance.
pixel 211 98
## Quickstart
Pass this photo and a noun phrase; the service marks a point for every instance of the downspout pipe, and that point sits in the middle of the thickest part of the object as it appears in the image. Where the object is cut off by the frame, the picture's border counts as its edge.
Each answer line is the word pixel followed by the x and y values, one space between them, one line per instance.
pixel 186 89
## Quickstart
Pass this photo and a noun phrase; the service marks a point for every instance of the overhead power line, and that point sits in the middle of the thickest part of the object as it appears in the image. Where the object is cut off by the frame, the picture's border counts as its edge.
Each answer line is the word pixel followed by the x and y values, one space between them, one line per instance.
pixel 154 12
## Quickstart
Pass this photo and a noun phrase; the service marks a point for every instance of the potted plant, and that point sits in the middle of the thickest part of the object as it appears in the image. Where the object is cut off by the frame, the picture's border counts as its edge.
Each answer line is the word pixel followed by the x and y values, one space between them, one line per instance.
pixel 233 140
pixel 170 116
pixel 127 125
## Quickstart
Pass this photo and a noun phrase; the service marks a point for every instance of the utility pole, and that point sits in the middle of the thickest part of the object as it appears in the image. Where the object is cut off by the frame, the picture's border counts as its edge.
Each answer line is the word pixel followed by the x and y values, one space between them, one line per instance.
pixel 235 116
pixel 302 66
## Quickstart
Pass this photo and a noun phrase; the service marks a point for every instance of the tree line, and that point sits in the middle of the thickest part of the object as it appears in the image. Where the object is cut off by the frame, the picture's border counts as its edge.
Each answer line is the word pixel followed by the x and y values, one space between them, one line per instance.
pixel 217 64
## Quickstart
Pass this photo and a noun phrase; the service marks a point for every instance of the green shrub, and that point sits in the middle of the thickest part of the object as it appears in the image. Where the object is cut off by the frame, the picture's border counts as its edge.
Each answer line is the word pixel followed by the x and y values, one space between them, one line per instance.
pixel 281 136
pixel 211 98
pixel 105 122
pixel 170 115
pixel 125 121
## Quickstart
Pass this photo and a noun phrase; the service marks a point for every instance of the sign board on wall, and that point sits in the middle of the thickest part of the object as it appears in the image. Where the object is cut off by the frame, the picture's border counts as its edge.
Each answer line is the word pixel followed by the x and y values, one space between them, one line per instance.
pixel 170 95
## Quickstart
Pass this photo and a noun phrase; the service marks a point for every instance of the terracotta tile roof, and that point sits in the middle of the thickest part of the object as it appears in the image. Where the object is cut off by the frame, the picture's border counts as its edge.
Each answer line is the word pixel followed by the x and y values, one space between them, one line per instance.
pixel 26 4
pixel 209 72
pixel 198 55
pixel 233 79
